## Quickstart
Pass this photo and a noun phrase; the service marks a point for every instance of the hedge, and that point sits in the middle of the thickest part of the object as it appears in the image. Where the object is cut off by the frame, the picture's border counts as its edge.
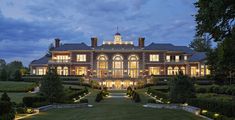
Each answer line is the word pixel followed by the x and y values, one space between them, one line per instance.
pixel 35 101
pixel 76 94
pixel 228 90
pixel 222 107
pixel 159 94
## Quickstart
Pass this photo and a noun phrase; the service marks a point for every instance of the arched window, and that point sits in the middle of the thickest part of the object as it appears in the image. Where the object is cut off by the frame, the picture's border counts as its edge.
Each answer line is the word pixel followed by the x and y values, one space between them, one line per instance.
pixel 183 70
pixel 133 66
pixel 65 71
pixel 176 70
pixel 59 70
pixel 102 66
pixel 117 66
pixel 169 71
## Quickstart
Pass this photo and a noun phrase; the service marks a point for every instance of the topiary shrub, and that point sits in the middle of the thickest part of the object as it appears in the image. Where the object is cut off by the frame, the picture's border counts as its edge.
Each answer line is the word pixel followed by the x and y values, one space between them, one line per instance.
pixel 99 97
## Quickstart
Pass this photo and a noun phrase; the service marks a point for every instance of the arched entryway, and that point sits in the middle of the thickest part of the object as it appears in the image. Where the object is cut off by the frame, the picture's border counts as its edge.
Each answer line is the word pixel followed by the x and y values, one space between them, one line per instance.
pixel 126 84
pixel 117 84
pixel 109 84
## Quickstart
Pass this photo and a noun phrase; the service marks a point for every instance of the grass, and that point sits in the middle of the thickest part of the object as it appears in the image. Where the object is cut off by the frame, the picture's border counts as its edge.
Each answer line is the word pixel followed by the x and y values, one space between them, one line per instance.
pixel 115 109
pixel 215 96
pixel 10 86
pixel 17 97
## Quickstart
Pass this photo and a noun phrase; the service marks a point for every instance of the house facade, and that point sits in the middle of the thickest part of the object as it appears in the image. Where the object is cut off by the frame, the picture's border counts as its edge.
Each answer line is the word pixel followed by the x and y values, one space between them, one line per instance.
pixel 119 64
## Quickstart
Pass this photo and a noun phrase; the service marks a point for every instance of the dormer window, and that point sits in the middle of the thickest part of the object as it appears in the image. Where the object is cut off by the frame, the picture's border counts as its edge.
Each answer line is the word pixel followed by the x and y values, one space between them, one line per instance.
pixel 81 57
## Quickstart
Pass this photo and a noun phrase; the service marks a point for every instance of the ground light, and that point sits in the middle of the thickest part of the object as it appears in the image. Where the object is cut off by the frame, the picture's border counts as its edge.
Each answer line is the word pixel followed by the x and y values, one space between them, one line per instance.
pixel 216 115
pixel 204 111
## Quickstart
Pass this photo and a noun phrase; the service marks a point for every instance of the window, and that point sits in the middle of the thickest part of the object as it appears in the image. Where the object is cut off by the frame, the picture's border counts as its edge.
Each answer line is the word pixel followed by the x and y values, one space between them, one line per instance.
pixel 62 71
pixel 176 71
pixel 81 57
pixel 168 58
pixel 41 71
pixel 169 71
pixel 154 70
pixel 81 71
pixel 117 66
pixel 183 70
pixel 62 58
pixel 193 71
pixel 177 58
pixel 133 66
pixel 208 72
pixel 34 71
pixel 153 57
pixel 202 70
pixel 102 66
pixel 185 57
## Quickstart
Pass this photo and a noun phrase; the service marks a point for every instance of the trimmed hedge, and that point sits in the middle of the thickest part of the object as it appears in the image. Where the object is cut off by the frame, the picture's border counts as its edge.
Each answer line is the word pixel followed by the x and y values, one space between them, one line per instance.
pixel 159 94
pixel 222 107
pixel 228 90
pixel 35 101
pixel 76 94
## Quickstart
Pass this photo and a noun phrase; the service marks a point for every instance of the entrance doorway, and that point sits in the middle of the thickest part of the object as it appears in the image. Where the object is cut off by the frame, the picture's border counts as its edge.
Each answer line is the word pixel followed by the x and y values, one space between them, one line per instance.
pixel 117 84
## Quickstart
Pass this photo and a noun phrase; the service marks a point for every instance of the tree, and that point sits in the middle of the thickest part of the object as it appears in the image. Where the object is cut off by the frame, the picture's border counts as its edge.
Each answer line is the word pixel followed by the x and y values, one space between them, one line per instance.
pixel 3 75
pixel 17 76
pixel 200 44
pixel 215 17
pixel 12 68
pixel 51 86
pixel 50 48
pixel 181 89
pixel 5 97
pixel 2 64
pixel 7 111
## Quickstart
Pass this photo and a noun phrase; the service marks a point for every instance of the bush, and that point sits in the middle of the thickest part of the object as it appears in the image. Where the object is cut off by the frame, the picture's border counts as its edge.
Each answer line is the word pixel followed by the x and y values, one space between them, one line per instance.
pixel 99 97
pixel 33 101
pixel 84 101
pixel 151 101
pixel 158 94
pixel 201 90
pixel 223 107
pixel 6 112
pixel 136 97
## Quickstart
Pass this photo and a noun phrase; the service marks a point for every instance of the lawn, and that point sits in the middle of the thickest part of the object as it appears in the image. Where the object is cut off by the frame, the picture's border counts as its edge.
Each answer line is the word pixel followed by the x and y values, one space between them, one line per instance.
pixel 10 86
pixel 115 109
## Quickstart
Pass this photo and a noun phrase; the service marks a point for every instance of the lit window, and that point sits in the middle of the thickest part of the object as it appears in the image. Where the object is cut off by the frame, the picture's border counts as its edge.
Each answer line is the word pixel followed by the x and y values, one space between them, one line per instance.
pixel 102 66
pixel 202 70
pixel 154 57
pixel 81 57
pixel 185 57
pixel 183 70
pixel 169 71
pixel 62 58
pixel 154 70
pixel 81 71
pixel 34 71
pixel 41 71
pixel 193 71
pixel 208 72
pixel 168 58
pixel 176 71
pixel 133 66
pixel 177 58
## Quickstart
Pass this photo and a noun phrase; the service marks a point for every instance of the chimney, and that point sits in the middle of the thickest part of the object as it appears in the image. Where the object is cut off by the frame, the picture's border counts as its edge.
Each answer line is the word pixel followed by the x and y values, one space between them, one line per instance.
pixel 141 42
pixel 94 42
pixel 57 42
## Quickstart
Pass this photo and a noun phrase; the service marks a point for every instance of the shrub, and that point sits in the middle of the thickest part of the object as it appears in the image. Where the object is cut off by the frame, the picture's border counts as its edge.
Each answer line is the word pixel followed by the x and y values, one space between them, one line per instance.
pixel 6 112
pixel 99 97
pixel 181 89
pixel 158 94
pixel 151 101
pixel 33 101
pixel 5 97
pixel 84 101
pixel 201 90
pixel 136 97
pixel 223 107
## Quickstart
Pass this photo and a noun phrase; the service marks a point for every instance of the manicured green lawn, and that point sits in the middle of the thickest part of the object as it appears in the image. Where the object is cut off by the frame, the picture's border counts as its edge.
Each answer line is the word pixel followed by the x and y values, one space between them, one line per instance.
pixel 115 109
pixel 10 86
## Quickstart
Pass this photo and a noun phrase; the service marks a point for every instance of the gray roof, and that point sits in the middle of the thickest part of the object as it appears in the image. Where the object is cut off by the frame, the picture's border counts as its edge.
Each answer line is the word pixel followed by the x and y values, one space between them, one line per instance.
pixel 43 60
pixel 168 47
pixel 117 47
pixel 198 56
pixel 73 46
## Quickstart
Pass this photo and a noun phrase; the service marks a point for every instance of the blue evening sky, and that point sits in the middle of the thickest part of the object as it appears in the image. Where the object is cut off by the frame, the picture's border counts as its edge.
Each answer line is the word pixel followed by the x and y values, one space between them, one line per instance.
pixel 27 27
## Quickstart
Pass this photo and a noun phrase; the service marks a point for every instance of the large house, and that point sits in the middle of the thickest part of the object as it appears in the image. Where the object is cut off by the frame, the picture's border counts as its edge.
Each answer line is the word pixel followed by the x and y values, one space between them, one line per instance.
pixel 119 64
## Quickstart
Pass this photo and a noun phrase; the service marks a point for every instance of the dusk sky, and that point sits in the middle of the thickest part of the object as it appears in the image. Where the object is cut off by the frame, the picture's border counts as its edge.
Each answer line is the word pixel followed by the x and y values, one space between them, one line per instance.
pixel 27 27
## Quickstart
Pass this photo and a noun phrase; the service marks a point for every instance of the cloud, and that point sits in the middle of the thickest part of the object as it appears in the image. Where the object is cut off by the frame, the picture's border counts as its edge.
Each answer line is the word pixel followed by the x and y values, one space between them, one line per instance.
pixel 29 27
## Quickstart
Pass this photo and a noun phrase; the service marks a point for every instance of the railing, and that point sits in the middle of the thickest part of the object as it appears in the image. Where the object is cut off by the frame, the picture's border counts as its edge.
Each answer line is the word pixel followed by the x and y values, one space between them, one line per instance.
pixel 60 61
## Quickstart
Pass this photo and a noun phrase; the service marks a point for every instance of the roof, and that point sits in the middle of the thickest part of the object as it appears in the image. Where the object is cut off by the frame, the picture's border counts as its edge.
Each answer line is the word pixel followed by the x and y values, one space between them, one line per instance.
pixel 73 46
pixel 168 47
pixel 198 56
pixel 43 60
pixel 117 33
pixel 117 47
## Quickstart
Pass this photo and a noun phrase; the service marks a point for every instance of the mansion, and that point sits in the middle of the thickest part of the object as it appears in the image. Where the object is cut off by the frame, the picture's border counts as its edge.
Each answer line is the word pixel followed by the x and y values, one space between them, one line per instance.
pixel 119 64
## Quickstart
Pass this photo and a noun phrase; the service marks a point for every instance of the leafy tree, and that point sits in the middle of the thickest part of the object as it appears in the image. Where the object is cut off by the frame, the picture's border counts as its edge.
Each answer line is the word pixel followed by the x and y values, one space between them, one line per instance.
pixel 181 89
pixel 2 64
pixel 215 17
pixel 12 68
pixel 51 86
pixel 3 75
pixel 5 97
pixel 200 44
pixel 17 75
